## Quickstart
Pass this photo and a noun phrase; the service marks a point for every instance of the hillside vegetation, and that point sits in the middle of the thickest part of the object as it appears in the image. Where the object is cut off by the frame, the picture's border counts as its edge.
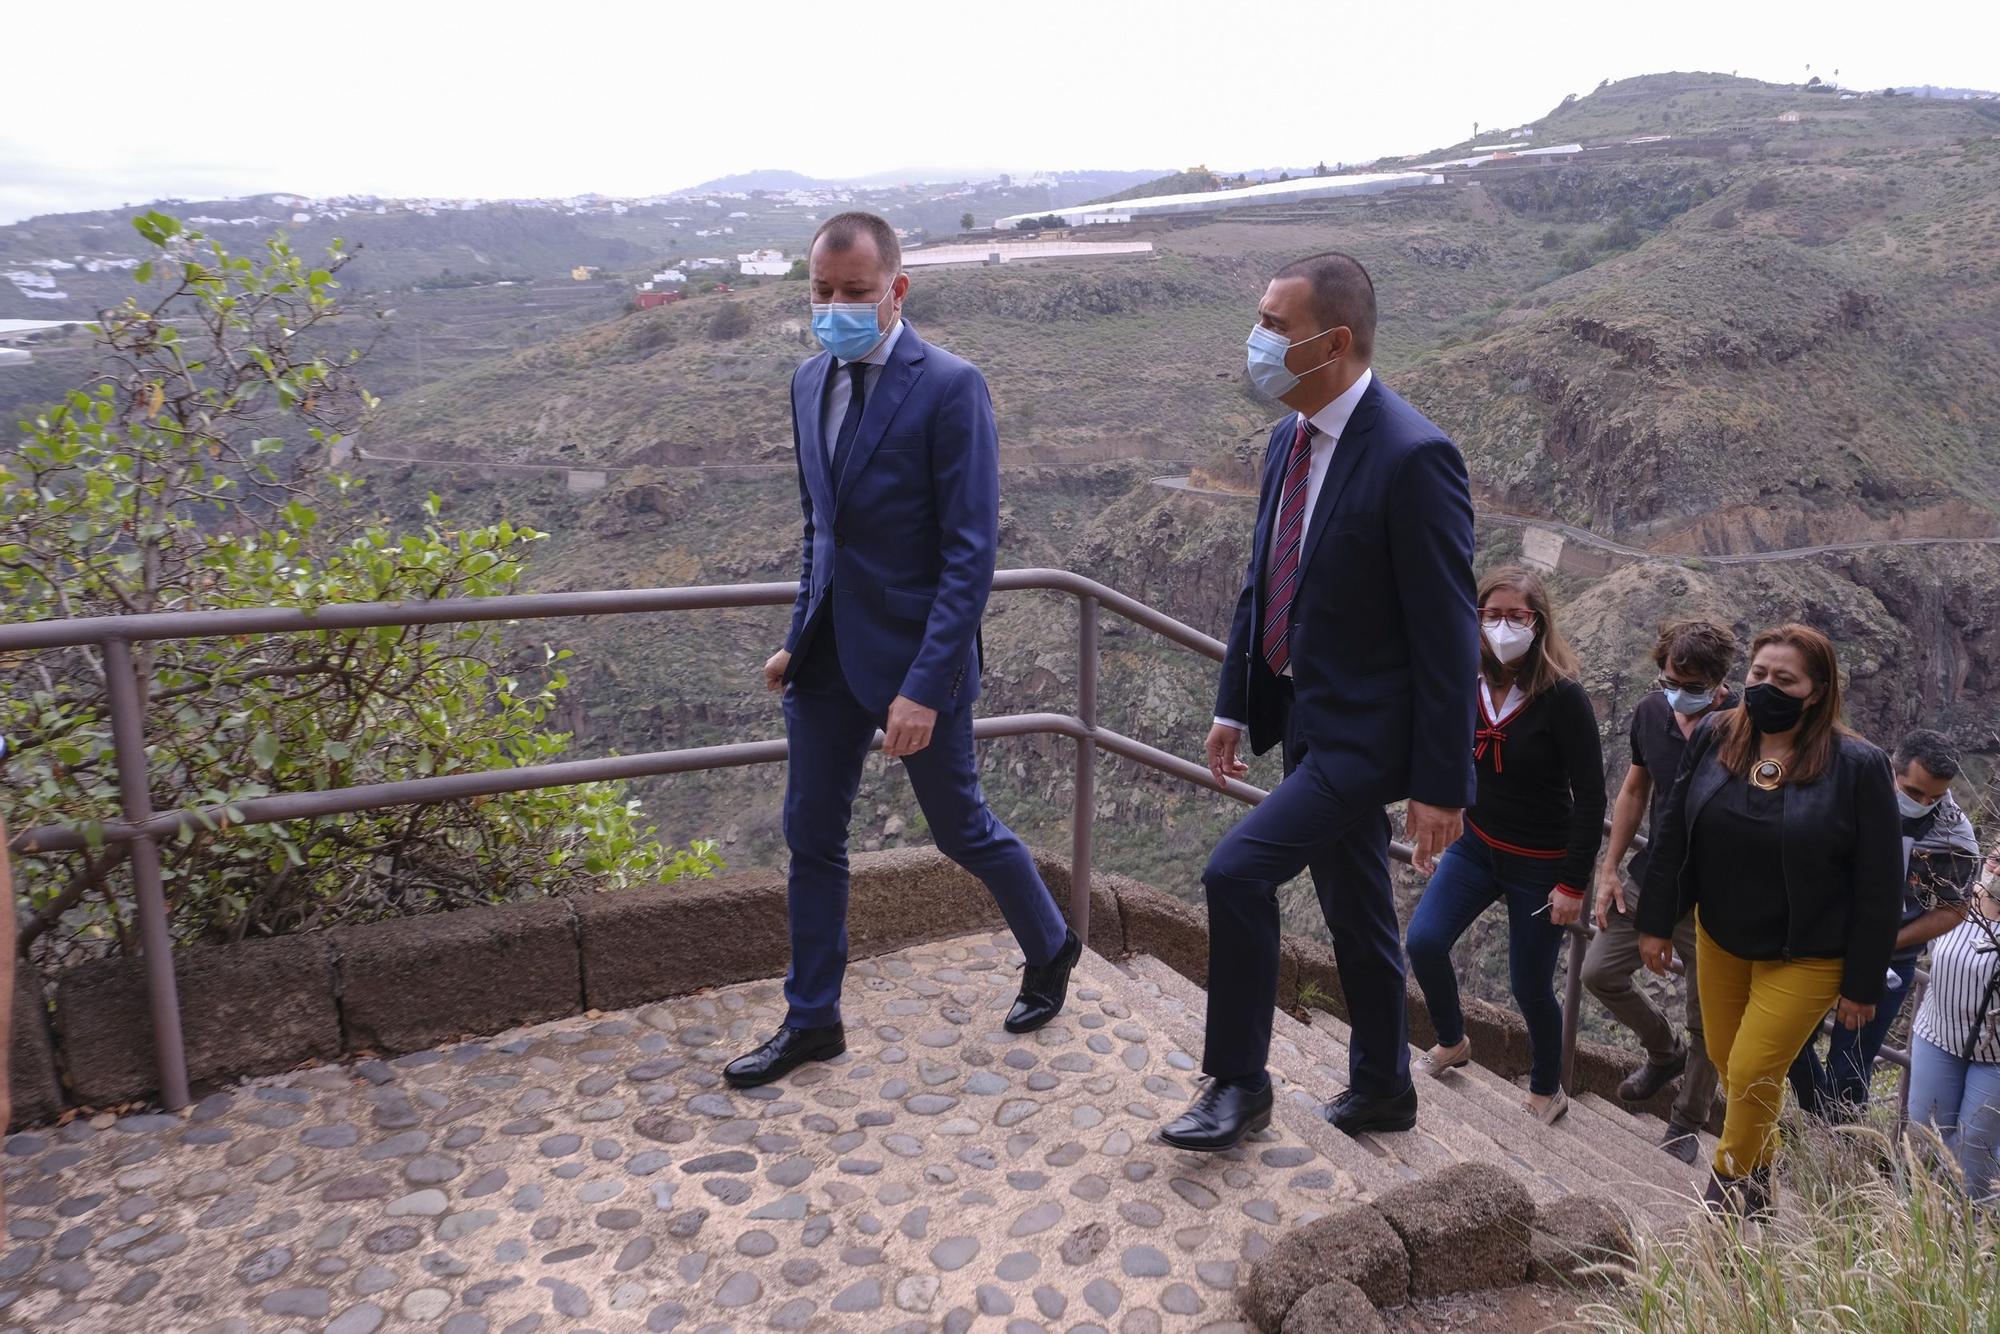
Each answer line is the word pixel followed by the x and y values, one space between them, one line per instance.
pixel 1759 332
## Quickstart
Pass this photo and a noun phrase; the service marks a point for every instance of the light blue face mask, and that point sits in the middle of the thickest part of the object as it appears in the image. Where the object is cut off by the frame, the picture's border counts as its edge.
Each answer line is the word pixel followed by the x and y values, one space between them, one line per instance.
pixel 1690 703
pixel 1912 808
pixel 1267 361
pixel 850 329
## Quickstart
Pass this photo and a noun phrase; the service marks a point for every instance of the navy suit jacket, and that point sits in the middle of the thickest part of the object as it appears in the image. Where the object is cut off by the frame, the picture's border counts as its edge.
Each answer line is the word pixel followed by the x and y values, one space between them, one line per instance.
pixel 899 549
pixel 1384 639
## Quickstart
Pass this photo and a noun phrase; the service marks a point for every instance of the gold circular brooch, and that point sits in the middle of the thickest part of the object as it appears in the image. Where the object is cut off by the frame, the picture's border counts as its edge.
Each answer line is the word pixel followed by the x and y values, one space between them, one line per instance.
pixel 1767 774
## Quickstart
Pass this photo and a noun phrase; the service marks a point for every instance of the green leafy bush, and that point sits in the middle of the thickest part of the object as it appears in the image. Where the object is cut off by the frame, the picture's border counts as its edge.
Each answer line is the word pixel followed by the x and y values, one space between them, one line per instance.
pixel 194 474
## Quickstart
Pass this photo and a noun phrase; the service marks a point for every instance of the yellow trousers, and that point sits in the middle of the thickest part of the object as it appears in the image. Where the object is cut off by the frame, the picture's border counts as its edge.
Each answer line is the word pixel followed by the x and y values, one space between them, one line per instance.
pixel 1756 1015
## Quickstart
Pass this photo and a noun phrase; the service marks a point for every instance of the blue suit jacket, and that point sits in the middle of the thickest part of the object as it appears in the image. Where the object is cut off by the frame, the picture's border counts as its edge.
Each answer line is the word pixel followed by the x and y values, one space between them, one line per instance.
pixel 1385 647
pixel 899 550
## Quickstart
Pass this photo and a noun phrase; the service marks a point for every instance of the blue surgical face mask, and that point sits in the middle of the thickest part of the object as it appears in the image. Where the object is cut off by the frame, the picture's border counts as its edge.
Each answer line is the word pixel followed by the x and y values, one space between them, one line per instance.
pixel 1690 703
pixel 1267 361
pixel 850 329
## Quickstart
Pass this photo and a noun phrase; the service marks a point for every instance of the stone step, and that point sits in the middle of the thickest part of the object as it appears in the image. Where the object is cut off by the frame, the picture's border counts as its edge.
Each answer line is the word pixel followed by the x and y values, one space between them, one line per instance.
pixel 1405 1157
pixel 1372 1172
pixel 1449 1129
pixel 1648 1129
pixel 1479 1115
pixel 1668 1185
pixel 1549 1174
pixel 1537 1153
pixel 596 1172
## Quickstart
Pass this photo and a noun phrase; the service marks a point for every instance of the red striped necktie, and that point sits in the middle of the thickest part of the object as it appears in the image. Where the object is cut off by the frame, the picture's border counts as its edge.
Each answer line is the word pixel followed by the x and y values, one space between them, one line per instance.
pixel 1282 584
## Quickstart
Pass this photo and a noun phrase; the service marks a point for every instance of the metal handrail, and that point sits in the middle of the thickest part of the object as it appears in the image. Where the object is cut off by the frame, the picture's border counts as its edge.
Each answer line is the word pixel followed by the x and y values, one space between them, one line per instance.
pixel 142 828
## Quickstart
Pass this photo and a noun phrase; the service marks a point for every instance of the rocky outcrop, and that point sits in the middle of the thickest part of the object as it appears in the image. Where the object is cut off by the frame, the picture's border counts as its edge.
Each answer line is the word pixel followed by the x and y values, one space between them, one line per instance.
pixel 1463 1228
pixel 1355 1245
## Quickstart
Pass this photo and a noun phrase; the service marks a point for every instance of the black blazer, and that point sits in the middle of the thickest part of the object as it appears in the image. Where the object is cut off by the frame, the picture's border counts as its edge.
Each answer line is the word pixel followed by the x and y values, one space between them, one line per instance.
pixel 1842 853
pixel 1384 636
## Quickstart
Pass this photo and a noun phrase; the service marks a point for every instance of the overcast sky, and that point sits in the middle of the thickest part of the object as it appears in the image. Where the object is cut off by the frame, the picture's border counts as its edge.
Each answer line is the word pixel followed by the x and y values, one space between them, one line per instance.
pixel 125 101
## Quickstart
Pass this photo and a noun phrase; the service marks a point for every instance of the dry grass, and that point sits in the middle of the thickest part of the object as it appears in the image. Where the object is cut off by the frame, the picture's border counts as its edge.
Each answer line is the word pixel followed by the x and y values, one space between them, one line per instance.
pixel 1872 1234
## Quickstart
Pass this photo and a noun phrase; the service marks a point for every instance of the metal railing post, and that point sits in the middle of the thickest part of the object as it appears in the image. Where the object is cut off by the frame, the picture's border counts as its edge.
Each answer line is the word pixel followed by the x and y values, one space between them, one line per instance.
pixel 128 737
pixel 1083 810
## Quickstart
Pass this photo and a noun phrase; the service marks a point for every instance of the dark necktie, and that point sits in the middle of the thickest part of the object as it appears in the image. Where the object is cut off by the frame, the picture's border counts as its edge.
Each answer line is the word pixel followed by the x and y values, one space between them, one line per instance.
pixel 850 422
pixel 1281 585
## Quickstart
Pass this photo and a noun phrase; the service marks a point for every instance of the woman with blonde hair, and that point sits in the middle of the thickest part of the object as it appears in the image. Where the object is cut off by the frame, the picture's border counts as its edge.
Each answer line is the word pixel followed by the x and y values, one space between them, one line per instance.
pixel 1531 835
pixel 1783 837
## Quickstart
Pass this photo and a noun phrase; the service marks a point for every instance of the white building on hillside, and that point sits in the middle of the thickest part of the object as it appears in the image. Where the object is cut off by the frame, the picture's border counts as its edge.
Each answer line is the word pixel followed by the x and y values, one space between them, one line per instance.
pixel 765 263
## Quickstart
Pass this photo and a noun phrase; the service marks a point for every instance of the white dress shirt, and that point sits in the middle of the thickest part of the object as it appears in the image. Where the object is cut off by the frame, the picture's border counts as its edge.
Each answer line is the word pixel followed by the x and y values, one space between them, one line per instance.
pixel 839 388
pixel 1508 706
pixel 1329 421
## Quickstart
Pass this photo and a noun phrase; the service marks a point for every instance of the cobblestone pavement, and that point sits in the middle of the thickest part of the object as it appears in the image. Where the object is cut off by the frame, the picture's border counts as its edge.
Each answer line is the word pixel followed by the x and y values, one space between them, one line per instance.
pixel 596 1174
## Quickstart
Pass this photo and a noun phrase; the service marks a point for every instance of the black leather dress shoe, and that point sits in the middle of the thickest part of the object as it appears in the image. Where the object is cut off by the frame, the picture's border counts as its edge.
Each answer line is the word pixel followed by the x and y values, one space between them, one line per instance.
pixel 1220 1116
pixel 1353 1114
pixel 788 1049
pixel 1044 988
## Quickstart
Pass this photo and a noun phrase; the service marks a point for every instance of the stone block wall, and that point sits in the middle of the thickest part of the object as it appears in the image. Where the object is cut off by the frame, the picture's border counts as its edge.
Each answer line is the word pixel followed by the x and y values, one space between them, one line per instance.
pixel 411 983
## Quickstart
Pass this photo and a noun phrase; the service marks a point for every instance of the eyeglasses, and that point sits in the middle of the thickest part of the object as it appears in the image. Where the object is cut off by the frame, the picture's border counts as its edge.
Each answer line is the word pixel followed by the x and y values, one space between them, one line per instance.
pixel 1519 616
pixel 1691 687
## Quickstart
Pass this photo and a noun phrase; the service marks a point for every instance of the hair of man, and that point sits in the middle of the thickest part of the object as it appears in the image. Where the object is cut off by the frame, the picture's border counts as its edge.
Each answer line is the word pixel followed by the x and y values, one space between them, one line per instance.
pixel 1701 649
pixel 843 230
pixel 1932 749
pixel 1343 295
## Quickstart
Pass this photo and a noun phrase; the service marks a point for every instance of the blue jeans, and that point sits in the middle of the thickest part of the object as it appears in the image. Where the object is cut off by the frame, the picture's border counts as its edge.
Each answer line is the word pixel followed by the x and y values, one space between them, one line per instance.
pixel 1962 1099
pixel 1470 878
pixel 1836 1090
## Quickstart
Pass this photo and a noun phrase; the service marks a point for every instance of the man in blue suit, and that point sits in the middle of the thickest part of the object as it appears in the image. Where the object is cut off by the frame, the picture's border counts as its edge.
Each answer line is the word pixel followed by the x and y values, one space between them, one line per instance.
pixel 1355 645
pixel 899 478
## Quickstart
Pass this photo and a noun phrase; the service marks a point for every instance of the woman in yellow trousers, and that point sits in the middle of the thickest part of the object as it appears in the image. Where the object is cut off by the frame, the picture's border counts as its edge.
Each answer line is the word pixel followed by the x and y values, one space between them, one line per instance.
pixel 1782 836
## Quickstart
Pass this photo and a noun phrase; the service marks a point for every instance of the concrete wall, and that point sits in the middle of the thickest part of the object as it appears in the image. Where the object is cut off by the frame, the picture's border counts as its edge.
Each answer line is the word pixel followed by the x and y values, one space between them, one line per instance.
pixel 415 982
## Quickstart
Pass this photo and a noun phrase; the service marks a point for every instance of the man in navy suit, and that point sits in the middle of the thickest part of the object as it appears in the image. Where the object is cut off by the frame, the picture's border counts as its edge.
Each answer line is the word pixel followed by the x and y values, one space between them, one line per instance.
pixel 899 478
pixel 1355 645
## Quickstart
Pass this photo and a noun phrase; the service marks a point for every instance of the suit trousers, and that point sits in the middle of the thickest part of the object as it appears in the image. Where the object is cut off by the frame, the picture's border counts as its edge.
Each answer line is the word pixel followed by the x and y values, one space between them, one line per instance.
pixel 1309 822
pixel 827 734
